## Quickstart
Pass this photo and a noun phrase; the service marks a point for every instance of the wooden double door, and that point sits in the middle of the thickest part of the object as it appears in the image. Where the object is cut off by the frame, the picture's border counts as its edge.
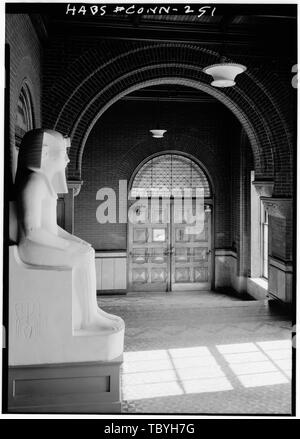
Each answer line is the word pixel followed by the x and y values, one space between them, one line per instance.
pixel 166 252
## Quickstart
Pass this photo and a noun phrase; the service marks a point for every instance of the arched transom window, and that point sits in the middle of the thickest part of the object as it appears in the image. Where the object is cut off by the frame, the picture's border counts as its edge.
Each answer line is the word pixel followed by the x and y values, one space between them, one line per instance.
pixel 169 174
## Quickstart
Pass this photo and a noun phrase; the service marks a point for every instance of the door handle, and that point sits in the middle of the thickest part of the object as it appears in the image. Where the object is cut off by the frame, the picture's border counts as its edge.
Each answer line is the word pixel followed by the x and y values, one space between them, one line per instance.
pixel 169 251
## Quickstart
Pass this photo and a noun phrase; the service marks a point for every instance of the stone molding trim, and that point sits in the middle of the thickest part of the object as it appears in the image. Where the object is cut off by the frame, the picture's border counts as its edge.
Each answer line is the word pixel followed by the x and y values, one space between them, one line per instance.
pixel 278 207
pixel 225 252
pixel 264 188
pixel 75 185
pixel 286 266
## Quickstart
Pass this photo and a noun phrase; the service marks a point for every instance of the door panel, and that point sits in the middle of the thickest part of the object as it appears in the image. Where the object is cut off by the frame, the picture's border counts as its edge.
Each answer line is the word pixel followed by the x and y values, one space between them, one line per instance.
pixel 148 262
pixel 167 253
pixel 190 263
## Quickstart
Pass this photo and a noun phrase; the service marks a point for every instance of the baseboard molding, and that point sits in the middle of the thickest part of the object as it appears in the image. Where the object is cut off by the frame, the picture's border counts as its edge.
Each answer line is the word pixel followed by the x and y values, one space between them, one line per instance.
pixel 111 292
pixel 278 304
pixel 257 288
pixel 230 291
pixel 65 388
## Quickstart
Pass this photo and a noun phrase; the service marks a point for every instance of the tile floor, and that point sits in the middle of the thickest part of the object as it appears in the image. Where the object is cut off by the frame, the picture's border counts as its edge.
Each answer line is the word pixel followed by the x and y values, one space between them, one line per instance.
pixel 203 353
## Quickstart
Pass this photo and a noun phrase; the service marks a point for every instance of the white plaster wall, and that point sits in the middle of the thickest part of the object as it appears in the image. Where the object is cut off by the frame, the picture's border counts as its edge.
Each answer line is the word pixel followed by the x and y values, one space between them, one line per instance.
pixel 279 285
pixel 111 271
pixel 280 280
pixel 239 283
pixel 225 268
pixel 226 271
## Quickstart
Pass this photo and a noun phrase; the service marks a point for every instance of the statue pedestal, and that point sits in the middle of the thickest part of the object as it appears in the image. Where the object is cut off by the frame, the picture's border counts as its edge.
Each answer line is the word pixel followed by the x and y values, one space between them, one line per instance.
pixel 47 359
pixel 92 387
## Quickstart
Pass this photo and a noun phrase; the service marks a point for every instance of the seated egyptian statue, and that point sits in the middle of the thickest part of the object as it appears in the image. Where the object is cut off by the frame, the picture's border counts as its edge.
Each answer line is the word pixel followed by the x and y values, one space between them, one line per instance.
pixel 41 242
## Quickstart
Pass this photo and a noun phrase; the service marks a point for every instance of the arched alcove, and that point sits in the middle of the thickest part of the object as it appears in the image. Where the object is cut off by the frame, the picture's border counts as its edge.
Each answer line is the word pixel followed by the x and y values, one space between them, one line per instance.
pixel 126 69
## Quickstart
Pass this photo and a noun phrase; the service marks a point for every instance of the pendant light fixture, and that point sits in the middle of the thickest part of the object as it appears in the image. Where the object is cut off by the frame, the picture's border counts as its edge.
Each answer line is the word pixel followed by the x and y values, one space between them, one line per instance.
pixel 157 132
pixel 224 73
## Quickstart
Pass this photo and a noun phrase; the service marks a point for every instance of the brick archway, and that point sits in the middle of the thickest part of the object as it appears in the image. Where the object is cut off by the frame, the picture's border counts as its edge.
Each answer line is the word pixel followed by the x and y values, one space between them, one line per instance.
pixel 76 104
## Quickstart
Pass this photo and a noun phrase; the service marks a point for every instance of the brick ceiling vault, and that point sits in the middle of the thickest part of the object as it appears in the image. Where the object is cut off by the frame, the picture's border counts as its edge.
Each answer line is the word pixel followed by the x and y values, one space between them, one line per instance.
pixel 101 76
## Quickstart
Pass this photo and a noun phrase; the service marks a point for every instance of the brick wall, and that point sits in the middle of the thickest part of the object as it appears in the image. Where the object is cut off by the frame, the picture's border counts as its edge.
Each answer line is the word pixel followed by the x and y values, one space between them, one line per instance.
pixel 281 244
pixel 241 166
pixel 25 65
pixel 120 141
pixel 86 75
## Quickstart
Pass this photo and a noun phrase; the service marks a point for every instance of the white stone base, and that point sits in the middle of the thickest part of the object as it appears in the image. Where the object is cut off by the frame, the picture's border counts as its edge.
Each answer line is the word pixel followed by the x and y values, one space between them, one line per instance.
pixel 40 319
pixel 65 388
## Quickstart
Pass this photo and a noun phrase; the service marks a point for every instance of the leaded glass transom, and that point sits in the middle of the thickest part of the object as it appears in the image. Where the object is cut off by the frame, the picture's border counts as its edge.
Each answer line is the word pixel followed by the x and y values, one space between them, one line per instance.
pixel 169 175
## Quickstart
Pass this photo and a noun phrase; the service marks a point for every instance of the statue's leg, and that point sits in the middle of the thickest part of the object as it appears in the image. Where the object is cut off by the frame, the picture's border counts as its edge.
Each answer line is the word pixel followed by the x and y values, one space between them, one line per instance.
pixel 93 318
pixel 85 311
pixel 77 304
pixel 91 255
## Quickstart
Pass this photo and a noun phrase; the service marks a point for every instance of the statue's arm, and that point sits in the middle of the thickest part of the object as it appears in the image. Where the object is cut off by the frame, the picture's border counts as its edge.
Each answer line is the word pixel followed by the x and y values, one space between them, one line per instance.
pixel 66 235
pixel 31 221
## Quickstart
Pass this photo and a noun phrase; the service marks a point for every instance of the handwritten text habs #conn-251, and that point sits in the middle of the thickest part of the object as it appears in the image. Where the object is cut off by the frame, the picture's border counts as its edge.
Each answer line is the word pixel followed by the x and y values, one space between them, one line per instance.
pixel 72 9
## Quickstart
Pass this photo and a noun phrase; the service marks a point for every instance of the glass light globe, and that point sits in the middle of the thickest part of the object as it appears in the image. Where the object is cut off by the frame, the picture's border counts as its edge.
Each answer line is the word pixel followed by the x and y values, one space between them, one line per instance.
pixel 224 74
pixel 157 133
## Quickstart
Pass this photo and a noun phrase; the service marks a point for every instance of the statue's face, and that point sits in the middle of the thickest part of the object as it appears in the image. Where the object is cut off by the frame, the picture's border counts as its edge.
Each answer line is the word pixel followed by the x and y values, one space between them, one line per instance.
pixel 59 158
pixel 55 157
pixel 55 160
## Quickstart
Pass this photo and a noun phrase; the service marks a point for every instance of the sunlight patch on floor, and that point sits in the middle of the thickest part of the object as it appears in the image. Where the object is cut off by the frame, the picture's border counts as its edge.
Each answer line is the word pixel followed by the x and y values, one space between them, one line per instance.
pixel 170 372
pixel 259 364
pixel 280 354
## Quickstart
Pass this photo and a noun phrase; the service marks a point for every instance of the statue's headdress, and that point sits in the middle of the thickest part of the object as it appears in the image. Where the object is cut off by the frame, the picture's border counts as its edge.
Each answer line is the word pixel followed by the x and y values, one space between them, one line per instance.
pixel 30 155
